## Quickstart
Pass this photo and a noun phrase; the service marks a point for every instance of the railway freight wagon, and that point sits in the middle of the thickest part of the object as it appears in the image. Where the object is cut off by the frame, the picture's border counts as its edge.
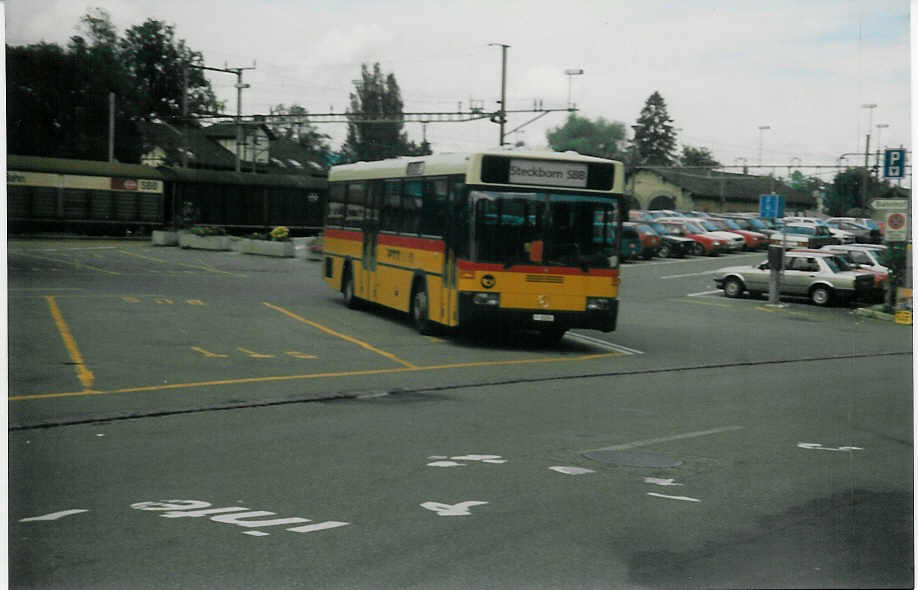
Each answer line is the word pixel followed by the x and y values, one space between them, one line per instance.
pixel 84 196
pixel 56 194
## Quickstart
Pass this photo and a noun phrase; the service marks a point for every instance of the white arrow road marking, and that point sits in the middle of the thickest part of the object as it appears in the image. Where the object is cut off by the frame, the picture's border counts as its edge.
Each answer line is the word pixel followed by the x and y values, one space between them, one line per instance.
pixel 489 458
pixel 683 498
pixel 54 515
pixel 819 447
pixel 460 509
pixel 661 482
pixel 445 464
pixel 571 470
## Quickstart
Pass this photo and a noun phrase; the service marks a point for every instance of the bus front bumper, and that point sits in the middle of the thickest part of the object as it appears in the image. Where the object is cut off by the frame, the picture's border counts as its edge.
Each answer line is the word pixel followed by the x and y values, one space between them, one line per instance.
pixel 539 319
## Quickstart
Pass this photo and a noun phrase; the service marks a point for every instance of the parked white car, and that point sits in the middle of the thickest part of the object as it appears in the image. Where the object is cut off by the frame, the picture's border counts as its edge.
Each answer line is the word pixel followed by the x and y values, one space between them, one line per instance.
pixel 845 237
pixel 861 255
pixel 802 236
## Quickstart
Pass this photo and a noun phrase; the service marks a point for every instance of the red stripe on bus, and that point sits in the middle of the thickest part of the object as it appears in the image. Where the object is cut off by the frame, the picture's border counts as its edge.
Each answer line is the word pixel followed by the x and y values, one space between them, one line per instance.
pixel 542 270
pixel 432 244
pixel 343 234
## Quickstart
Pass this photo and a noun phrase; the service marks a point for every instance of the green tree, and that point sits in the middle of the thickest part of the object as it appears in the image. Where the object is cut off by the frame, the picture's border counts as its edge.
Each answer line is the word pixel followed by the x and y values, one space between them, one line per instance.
pixel 377 97
pixel 58 99
pixel 655 136
pixel 155 60
pixel 692 156
pixel 293 123
pixel 598 138
pixel 843 197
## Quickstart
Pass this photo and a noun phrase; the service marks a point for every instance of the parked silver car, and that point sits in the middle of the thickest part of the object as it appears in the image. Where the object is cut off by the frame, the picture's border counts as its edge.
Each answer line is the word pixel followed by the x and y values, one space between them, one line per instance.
pixel 821 277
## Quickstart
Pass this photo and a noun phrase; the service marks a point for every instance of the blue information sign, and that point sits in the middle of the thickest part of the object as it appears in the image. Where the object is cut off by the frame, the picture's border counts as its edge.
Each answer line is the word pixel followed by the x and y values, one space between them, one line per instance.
pixel 894 163
pixel 771 206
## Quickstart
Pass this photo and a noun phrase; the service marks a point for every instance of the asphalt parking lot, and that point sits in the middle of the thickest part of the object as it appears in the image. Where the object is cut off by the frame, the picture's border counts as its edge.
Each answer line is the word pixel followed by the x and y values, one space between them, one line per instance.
pixel 764 447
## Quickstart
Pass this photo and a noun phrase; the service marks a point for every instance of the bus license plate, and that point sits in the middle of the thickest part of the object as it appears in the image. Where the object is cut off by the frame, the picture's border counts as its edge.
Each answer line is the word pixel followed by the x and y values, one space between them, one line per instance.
pixel 543 317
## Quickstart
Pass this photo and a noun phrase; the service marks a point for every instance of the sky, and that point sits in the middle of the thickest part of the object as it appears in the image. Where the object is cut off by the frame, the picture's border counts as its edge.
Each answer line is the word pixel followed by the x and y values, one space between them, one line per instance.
pixel 724 68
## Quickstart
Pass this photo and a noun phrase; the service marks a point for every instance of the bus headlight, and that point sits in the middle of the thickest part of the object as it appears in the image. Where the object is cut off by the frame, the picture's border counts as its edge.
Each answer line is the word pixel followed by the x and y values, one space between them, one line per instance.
pixel 492 299
pixel 598 303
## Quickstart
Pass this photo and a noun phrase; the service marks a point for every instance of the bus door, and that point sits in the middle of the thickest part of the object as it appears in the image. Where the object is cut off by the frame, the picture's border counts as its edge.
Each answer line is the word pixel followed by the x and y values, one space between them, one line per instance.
pixel 370 237
pixel 456 238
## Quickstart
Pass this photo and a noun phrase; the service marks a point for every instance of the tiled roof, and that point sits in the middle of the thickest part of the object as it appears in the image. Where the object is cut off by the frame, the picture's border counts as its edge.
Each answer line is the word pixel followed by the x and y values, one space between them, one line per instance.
pixel 293 157
pixel 203 152
pixel 742 187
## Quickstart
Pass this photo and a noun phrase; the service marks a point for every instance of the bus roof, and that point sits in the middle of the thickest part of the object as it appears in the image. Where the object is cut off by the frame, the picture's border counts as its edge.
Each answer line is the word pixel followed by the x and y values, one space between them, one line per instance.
pixel 442 164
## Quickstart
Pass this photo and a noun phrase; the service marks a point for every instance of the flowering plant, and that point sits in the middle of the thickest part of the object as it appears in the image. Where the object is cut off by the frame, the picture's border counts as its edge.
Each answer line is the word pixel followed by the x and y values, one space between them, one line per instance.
pixel 208 230
pixel 280 234
pixel 315 244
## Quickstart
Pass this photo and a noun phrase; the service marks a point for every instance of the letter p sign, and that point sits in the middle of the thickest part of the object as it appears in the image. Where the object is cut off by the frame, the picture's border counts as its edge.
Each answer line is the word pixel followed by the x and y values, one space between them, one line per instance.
pixel 894 163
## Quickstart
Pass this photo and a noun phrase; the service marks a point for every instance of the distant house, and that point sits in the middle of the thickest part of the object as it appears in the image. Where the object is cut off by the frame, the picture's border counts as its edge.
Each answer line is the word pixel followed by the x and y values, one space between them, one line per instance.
pixel 165 145
pixel 214 148
pixel 694 189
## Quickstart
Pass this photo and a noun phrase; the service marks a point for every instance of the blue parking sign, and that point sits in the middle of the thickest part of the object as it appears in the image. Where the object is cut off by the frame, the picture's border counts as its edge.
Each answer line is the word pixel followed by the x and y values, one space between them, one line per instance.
pixel 894 163
pixel 771 206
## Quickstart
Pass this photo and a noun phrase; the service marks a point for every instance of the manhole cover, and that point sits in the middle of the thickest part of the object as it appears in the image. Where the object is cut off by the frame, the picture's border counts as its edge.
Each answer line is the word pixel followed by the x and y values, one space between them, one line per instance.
pixel 633 458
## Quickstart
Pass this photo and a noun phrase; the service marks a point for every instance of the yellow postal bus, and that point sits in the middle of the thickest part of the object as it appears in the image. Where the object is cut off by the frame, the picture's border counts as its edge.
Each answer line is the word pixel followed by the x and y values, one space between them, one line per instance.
pixel 529 239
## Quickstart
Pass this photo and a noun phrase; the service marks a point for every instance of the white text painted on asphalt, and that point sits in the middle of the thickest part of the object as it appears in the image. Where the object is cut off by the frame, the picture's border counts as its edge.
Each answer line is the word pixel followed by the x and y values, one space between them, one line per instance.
pixel 236 515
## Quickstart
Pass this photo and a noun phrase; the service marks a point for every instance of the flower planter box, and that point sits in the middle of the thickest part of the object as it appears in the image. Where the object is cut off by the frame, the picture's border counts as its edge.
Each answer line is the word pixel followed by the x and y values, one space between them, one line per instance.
pixel 267 248
pixel 189 240
pixel 163 237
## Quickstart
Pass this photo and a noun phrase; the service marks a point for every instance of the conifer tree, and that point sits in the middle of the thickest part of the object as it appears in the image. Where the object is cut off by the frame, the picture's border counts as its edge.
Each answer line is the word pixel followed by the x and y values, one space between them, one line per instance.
pixel 655 137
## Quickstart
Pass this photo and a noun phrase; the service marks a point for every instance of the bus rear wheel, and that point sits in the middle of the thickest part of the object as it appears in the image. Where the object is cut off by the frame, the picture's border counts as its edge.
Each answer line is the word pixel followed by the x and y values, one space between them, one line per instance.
pixel 347 289
pixel 420 313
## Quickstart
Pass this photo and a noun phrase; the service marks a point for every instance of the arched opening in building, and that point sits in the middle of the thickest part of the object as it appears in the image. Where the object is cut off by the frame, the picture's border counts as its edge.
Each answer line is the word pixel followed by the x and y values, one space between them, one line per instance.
pixel 662 202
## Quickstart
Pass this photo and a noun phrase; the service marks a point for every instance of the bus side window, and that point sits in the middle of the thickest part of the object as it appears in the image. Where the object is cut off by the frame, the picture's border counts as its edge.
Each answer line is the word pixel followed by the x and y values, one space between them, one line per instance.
pixel 433 217
pixel 411 207
pixel 390 218
pixel 355 204
pixel 336 205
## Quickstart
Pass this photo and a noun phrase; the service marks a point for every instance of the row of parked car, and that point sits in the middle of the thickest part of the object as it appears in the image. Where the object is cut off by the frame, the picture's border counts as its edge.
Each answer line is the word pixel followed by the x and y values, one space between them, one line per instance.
pixel 832 273
pixel 675 234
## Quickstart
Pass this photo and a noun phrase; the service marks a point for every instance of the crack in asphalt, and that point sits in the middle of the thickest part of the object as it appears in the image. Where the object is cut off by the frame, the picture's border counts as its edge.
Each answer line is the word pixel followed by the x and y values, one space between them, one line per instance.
pixel 399 392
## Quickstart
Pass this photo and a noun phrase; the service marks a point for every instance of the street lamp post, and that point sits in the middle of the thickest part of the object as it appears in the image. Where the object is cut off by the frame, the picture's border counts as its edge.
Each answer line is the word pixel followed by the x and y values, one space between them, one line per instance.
pixel 744 161
pixel 502 114
pixel 880 128
pixel 762 130
pixel 869 107
pixel 570 73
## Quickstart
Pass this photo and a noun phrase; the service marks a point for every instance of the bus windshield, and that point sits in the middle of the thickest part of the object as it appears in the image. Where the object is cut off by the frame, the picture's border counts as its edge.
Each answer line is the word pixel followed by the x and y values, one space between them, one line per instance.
pixel 545 228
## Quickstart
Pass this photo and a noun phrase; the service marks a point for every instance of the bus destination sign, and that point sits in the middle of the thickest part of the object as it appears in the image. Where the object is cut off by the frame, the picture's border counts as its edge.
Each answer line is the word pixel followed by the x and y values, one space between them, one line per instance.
pixel 546 172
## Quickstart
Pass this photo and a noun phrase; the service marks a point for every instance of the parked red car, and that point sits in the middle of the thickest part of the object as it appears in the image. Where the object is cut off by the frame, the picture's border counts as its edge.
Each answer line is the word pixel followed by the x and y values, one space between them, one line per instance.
pixel 705 245
pixel 754 240
pixel 650 240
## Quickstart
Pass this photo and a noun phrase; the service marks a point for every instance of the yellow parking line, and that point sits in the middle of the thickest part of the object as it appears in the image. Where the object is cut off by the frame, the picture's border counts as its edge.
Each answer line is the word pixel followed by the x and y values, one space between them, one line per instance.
pixel 247 380
pixel 65 261
pixel 196 266
pixel 83 374
pixel 350 339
